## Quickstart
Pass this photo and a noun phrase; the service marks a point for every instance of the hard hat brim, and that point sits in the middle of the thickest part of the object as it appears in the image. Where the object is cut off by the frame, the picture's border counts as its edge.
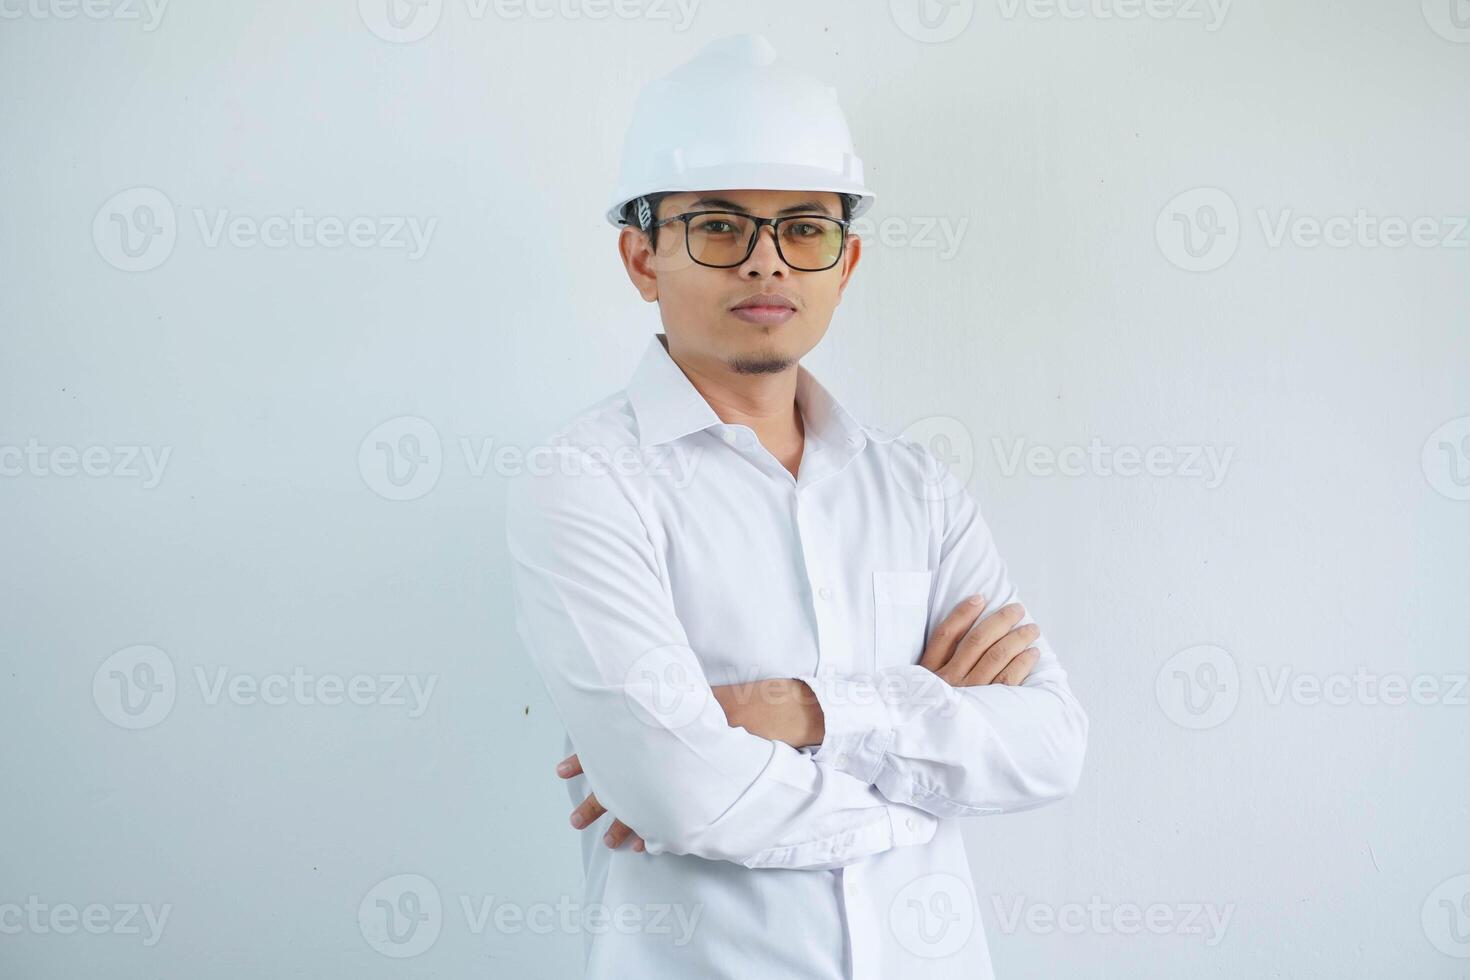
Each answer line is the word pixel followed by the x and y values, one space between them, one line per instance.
pixel 737 176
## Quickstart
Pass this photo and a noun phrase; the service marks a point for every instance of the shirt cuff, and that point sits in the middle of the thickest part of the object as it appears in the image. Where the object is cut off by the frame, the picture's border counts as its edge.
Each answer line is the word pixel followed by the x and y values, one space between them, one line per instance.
pixel 856 722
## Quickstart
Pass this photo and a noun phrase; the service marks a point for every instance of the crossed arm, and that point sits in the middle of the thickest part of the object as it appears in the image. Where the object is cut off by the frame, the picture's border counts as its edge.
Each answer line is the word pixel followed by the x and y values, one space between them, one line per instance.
pixel 964 651
pixel 719 775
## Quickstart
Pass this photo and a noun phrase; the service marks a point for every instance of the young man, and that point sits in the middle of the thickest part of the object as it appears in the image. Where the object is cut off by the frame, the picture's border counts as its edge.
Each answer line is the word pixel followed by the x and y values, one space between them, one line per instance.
pixel 785 650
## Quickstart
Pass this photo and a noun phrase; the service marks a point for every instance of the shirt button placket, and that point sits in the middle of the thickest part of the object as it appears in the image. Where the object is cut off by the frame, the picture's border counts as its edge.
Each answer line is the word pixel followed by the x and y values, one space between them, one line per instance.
pixel 863 925
pixel 816 552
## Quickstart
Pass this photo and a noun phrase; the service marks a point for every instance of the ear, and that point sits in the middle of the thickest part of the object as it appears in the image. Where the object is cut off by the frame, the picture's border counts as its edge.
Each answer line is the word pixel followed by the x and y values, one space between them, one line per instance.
pixel 638 261
pixel 851 253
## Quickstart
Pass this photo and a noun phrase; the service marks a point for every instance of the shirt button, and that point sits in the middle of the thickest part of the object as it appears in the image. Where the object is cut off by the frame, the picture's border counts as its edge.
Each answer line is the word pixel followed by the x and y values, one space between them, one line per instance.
pixel 824 592
pixel 841 761
pixel 852 887
pixel 912 823
pixel 730 438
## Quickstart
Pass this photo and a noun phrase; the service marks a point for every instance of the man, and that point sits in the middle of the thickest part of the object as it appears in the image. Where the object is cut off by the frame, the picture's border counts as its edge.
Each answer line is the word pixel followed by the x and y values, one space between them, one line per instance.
pixel 785 650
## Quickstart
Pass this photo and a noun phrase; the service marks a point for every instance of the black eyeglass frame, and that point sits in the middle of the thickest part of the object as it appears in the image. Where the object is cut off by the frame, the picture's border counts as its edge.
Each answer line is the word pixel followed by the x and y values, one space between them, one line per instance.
pixel 760 223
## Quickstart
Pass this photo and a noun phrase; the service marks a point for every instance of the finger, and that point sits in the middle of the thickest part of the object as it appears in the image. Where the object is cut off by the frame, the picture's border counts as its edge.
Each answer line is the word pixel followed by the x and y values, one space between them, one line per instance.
pixel 616 834
pixel 1020 668
pixel 947 634
pixel 588 811
pixel 638 844
pixel 569 767
pixel 1000 654
pixel 980 638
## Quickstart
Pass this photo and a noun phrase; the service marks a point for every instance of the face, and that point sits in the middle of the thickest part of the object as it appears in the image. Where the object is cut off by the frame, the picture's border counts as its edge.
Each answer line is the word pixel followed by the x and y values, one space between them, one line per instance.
pixel 700 306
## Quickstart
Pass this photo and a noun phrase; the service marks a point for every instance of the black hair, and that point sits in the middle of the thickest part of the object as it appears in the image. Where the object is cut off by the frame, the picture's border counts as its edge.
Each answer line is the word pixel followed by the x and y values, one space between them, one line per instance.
pixel 630 211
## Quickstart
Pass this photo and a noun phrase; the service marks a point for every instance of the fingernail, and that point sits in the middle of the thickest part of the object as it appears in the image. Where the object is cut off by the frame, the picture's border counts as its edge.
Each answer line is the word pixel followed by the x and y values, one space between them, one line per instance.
pixel 576 820
pixel 607 839
pixel 975 600
pixel 563 767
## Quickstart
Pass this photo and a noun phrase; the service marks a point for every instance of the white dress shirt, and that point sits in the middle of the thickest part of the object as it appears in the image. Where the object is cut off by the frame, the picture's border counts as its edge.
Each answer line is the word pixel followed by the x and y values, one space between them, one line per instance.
pixel 657 552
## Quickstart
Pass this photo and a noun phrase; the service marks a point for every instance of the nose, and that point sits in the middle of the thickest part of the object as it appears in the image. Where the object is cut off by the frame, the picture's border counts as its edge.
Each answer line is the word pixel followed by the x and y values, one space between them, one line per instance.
pixel 764 260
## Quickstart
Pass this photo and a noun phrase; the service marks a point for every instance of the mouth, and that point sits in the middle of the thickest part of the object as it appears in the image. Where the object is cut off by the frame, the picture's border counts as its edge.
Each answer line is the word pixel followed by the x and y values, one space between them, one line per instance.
pixel 766 310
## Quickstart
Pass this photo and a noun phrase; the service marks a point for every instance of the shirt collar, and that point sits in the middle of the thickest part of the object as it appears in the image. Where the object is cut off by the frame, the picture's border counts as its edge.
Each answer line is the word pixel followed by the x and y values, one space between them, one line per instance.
pixel 667 406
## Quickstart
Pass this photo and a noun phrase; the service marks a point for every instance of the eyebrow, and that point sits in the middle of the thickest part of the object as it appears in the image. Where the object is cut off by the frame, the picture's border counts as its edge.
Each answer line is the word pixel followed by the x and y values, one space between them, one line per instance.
pixel 805 207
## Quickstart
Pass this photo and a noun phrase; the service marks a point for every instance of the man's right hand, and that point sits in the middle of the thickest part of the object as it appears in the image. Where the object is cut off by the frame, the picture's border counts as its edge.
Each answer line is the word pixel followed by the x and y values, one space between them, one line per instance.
pixel 993 650
pixel 589 810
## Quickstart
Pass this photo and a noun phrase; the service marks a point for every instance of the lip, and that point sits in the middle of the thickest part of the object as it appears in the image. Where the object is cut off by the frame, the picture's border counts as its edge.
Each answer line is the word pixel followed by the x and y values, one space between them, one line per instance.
pixel 765 299
pixel 765 309
pixel 766 316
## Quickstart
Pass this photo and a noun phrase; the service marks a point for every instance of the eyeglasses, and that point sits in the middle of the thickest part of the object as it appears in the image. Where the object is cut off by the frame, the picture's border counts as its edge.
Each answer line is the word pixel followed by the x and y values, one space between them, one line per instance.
pixel 725 239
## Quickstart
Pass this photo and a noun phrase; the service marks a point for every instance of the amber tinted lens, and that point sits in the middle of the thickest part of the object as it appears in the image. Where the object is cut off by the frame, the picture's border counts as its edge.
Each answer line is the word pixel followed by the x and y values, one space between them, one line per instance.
pixel 719 238
pixel 807 242
pixel 810 242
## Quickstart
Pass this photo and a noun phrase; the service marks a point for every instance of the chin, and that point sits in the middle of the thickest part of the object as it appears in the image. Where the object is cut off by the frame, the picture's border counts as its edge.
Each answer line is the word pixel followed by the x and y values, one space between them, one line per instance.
pixel 761 358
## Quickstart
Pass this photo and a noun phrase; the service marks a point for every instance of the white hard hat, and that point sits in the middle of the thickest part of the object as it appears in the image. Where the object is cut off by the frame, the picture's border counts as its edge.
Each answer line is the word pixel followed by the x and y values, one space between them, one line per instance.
pixel 736 117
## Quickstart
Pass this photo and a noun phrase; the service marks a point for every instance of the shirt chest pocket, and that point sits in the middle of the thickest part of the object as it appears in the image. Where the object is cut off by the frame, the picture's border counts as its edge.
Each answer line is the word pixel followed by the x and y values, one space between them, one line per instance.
pixel 900 617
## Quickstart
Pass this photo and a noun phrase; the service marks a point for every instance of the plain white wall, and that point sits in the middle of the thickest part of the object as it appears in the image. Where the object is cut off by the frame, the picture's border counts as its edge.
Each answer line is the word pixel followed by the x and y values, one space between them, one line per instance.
pixel 1033 281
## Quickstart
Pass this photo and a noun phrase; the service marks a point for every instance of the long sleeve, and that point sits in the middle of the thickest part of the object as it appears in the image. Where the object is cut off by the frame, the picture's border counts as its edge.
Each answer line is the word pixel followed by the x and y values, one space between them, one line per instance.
pixel 958 751
pixel 601 627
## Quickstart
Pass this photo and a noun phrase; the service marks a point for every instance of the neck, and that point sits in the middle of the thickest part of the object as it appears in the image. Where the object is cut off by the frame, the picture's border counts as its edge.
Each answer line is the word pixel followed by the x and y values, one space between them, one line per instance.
pixel 764 402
